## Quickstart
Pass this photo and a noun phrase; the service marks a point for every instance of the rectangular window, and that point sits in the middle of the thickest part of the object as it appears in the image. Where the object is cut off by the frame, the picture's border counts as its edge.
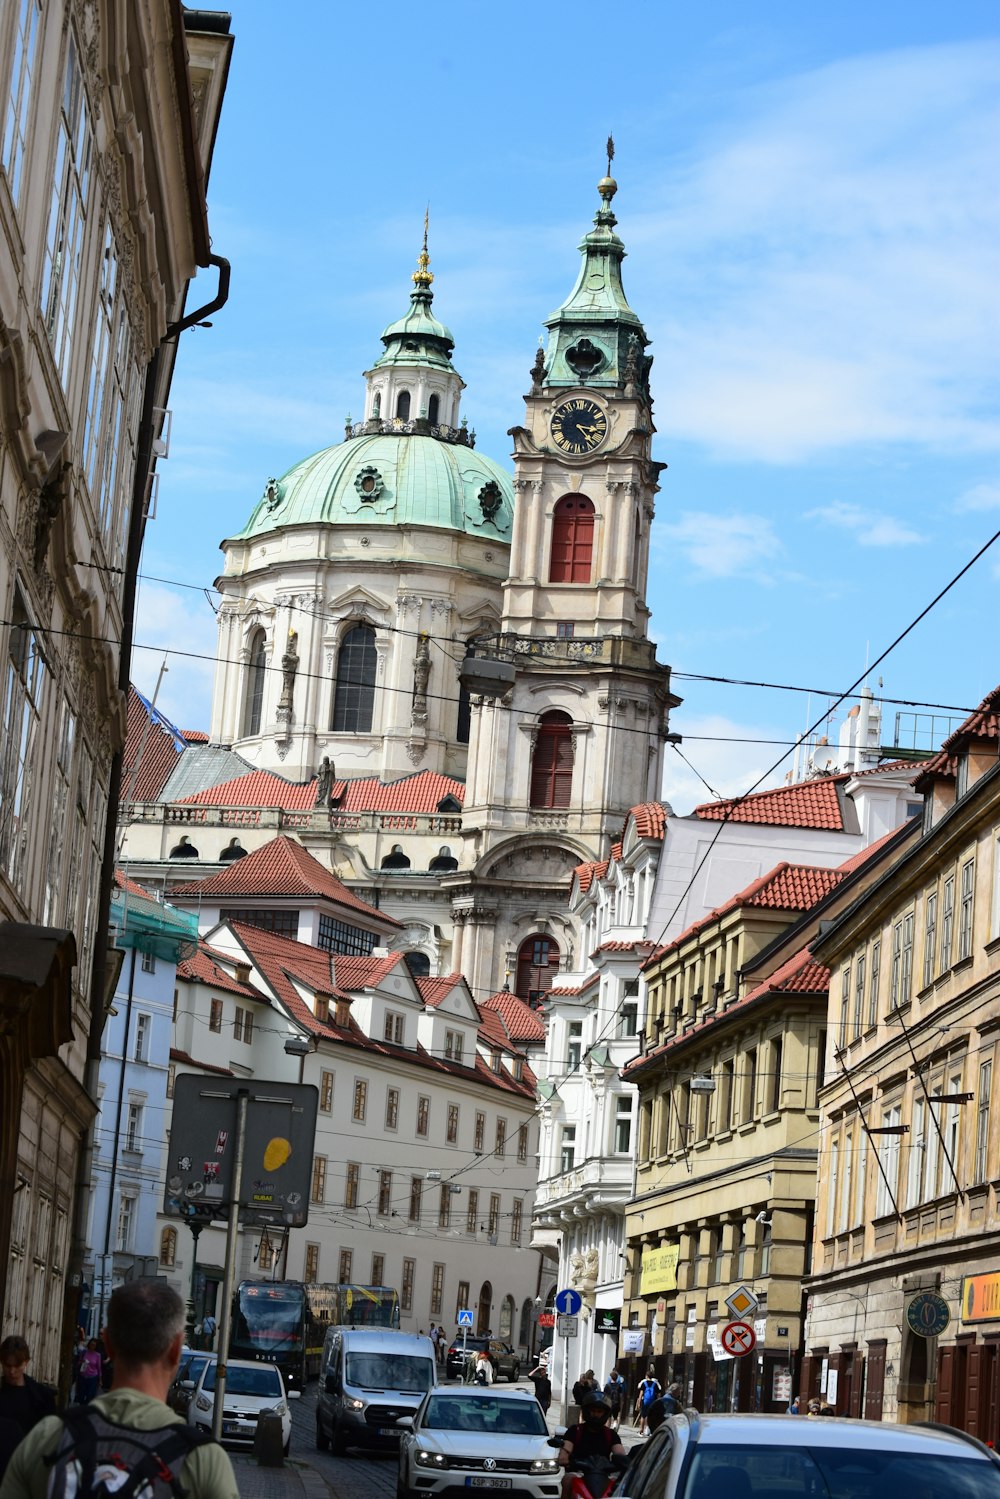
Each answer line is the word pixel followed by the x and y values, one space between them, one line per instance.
pixel 951 1135
pixel 378 1270
pixel 171 1076
pixel 965 910
pixel 623 1124
pixel 437 1290
pixel 142 1029
pixel 391 1108
pixel 472 1211
pixel 947 921
pixel 995 912
pixel 565 629
pixel 845 1006
pixel 67 214
pixel 860 1177
pixel 149 962
pixel 930 936
pixel 726 1096
pixel 859 995
pixel 352 1184
pixel 567 1147
pixel 918 1155
pixel 339 936
pixel 479 1134
pixel 15 130
pixel 888 1153
pixel 494 1219
pixel 522 1143
pixel 284 922
pixel 897 966
pixel 346 1265
pixel 983 1121
pixel 423 1115
pixel 444 1205
pixel 453 1045
pixel 326 1092
pixel 317 1192
pixel 873 979
pixel 394 1027
pixel 133 1127
pixel 243 1026
pixel 832 1185
pixel 215 1015
pixel 516 1212
pixel 360 1105
pixel 462 1299
pixel 775 1079
pixel 451 1129
pixel 322 1004
pixel 406 1288
pixel 628 1019
pixel 749 1089
pixel 23 705
pixel 384 1194
pixel 126 1224
pixel 310 1271
pixel 906 970
pixel 573 1045
pixel 416 1188
pixel 501 1145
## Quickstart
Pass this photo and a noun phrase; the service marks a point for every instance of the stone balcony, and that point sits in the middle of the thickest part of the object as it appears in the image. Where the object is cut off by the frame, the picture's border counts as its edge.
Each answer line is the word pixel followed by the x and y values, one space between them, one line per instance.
pixel 598 1183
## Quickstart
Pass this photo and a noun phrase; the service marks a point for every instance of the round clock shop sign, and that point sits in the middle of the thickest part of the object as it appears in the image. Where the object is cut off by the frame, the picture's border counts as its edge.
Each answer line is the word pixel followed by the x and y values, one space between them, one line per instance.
pixel 928 1314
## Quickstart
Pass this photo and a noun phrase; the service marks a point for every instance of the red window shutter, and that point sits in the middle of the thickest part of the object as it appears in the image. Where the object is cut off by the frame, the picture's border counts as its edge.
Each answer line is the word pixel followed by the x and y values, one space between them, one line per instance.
pixel 572 540
pixel 876 1380
pixel 945 1383
pixel 552 765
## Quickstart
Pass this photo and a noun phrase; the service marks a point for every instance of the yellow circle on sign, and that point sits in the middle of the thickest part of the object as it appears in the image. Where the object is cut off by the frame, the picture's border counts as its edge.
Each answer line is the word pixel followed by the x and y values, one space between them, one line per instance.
pixel 276 1154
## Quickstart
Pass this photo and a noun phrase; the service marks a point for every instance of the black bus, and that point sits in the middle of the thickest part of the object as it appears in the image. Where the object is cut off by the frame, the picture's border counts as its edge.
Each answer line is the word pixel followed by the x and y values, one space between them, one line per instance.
pixel 285 1321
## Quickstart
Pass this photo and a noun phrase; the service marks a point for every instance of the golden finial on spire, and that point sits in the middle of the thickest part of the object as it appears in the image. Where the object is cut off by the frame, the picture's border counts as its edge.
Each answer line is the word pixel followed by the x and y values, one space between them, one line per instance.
pixel 607 187
pixel 422 276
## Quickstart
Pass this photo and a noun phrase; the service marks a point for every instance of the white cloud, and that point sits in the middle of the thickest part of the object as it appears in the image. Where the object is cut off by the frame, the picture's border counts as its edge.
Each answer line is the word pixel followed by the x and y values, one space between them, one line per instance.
pixel 869 528
pixel 979 497
pixel 176 621
pixel 722 546
pixel 824 272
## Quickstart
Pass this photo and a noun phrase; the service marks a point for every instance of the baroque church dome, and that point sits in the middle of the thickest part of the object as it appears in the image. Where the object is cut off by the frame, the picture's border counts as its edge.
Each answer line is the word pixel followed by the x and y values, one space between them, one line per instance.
pixel 384 479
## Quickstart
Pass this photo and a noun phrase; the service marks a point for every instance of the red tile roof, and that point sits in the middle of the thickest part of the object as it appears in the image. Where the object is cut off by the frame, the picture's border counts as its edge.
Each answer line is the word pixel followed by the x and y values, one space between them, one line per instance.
pixel 190 1061
pixel 807 804
pixel 799 974
pixel 194 736
pixel 131 887
pixel 355 972
pixel 277 869
pixel 586 874
pixel 523 1024
pixel 419 793
pixel 152 748
pixel 207 966
pixel 984 723
pixel 858 860
pixel 491 1030
pixel 434 990
pixel 650 820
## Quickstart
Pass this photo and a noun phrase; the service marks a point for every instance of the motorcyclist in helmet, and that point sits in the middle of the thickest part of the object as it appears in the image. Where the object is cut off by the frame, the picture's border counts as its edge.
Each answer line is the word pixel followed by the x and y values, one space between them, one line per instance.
pixel 591 1437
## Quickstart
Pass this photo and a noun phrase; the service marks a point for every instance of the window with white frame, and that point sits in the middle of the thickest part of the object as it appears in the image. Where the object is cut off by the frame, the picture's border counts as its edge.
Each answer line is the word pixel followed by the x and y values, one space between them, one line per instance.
pixel 966 898
pixel 888 1152
pixel 472 1211
pixel 847 1185
pixel 20 80
pixel 479 1133
pixel 832 1187
pixel 406 1285
pixel 360 1105
pixel 918 1153
pixel 930 936
pixel 500 1148
pixel 516 1212
pixel 384 1195
pixel 451 1127
pixel 437 1290
pixel 567 1147
pixel 574 1044
pixel 143 1025
pixel 133 1125
pixel 860 1176
pixel 378 1270
pixel 995 910
pixel 623 1124
pixel 125 1228
pixel 391 1108
pixel 873 983
pixel 326 1092
pixel 933 1145
pixel 352 1185
pixel 859 995
pixel 394 1027
pixel 947 921
pixel 981 1173
pixel 67 213
pixel 453 1045
pixel 522 1143
pixel 845 1002
pixel 951 1132
pixel 423 1115
pixel 317 1191
pixel 493 1223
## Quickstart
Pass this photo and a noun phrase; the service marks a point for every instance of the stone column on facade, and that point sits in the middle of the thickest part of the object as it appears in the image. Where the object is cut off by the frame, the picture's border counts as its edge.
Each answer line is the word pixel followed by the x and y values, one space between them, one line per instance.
pixel 519 530
pixel 227 667
pixel 536 535
pixel 313 687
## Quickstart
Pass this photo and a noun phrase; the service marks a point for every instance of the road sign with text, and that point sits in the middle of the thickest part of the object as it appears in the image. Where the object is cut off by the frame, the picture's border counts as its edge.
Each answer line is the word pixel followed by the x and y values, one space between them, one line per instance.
pixel 567 1327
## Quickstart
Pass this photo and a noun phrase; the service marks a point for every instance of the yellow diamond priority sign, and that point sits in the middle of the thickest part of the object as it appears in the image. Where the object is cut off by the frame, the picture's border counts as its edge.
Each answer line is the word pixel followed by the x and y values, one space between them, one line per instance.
pixel 741 1303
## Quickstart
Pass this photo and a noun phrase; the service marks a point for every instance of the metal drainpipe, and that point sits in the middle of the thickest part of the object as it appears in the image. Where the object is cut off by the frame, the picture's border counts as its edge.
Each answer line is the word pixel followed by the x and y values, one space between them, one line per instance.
pixel 118 1131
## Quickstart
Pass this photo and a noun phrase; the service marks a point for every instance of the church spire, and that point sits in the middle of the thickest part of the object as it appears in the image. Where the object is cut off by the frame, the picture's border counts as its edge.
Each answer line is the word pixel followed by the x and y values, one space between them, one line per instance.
pixel 422 276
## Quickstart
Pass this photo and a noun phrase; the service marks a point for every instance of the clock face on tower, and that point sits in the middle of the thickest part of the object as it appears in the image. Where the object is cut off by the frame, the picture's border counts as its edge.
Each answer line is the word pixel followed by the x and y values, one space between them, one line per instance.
pixel 578 426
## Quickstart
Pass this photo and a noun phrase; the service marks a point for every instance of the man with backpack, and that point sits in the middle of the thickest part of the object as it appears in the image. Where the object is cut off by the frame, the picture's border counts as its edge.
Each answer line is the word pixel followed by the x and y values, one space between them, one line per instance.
pixel 648 1391
pixel 128 1441
pixel 614 1394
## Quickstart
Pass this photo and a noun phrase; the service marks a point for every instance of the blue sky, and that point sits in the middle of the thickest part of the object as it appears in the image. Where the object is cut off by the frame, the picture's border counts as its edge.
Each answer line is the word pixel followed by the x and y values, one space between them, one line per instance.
pixel 809 199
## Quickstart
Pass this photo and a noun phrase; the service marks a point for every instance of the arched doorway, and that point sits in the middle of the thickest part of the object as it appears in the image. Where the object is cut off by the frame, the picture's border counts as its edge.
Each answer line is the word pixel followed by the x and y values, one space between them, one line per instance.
pixel 483 1324
pixel 524 1331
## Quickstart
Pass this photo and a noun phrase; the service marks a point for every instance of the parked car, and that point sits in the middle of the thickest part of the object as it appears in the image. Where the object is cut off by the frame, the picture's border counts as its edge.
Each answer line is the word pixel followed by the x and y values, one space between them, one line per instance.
pixel 187 1376
pixel 506 1360
pixel 744 1457
pixel 251 1389
pixel 368 1378
pixel 471 1438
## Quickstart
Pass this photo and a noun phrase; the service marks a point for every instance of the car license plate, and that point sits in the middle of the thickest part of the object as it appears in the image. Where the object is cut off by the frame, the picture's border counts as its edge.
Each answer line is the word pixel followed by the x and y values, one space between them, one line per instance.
pixel 231 1428
pixel 389 1431
pixel 489 1483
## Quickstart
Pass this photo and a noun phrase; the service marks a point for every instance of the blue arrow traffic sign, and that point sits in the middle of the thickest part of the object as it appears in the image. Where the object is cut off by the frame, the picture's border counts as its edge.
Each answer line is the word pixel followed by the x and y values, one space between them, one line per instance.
pixel 569 1302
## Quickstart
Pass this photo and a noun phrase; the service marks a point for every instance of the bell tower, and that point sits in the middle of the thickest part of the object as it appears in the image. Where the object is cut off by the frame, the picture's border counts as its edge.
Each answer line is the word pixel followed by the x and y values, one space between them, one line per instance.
pixel 556 764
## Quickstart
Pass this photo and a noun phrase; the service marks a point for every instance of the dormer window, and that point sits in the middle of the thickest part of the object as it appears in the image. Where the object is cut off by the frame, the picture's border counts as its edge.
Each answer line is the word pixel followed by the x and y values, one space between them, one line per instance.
pixel 962 776
pixel 343 1013
pixel 394 1027
pixel 496 1059
pixel 453 1045
pixel 323 1007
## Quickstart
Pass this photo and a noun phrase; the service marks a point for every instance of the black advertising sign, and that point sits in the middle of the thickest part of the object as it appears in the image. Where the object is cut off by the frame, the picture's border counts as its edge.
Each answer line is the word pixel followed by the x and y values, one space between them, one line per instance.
pixel 277 1150
pixel 608 1320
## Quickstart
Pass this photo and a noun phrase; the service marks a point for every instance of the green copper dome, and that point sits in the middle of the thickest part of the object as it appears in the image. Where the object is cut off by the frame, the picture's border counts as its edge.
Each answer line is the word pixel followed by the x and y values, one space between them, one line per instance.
pixel 389 480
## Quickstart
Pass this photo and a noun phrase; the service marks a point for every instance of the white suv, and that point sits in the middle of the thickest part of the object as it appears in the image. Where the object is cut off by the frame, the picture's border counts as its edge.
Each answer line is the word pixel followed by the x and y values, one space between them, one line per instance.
pixel 800 1457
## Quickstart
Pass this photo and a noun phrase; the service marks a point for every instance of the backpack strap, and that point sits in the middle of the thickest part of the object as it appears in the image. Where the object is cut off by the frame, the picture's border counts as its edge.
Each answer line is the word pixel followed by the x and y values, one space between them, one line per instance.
pixel 173 1444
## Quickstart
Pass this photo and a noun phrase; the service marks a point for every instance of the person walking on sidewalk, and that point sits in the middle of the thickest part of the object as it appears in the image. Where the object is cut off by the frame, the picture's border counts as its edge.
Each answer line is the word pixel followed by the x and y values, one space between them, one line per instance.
pixel 539 1377
pixel 130 1430
pixel 648 1391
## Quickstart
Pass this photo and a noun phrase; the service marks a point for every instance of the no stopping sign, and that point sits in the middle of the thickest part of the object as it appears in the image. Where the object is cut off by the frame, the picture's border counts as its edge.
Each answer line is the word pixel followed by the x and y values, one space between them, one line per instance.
pixel 738 1338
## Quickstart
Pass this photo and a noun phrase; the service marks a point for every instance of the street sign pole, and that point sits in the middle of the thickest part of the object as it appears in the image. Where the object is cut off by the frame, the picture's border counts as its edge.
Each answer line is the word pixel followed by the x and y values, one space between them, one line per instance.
pixel 232 1235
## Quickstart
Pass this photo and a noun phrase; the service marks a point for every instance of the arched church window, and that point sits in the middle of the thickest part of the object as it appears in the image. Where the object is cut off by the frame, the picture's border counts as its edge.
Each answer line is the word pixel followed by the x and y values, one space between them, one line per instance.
pixel 444 861
pixel 434 410
pixel 403 406
pixel 537 966
pixel 552 761
pixel 395 858
pixel 572 540
pixel 418 963
pixel 256 670
pixel 185 849
pixel 354 693
pixel 377 405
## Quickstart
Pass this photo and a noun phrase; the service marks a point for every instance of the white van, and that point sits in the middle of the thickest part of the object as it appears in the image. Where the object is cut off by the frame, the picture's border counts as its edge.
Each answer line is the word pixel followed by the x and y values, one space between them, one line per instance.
pixel 368 1378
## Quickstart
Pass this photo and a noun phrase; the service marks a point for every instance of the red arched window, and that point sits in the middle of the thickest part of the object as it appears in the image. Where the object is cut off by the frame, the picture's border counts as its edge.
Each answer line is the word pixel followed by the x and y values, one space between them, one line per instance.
pixel 537 966
pixel 572 540
pixel 552 761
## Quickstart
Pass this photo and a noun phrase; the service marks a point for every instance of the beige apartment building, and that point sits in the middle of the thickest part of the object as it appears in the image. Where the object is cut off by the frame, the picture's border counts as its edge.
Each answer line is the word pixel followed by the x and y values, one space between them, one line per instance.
pixel 733 1054
pixel 108 116
pixel 904 1297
